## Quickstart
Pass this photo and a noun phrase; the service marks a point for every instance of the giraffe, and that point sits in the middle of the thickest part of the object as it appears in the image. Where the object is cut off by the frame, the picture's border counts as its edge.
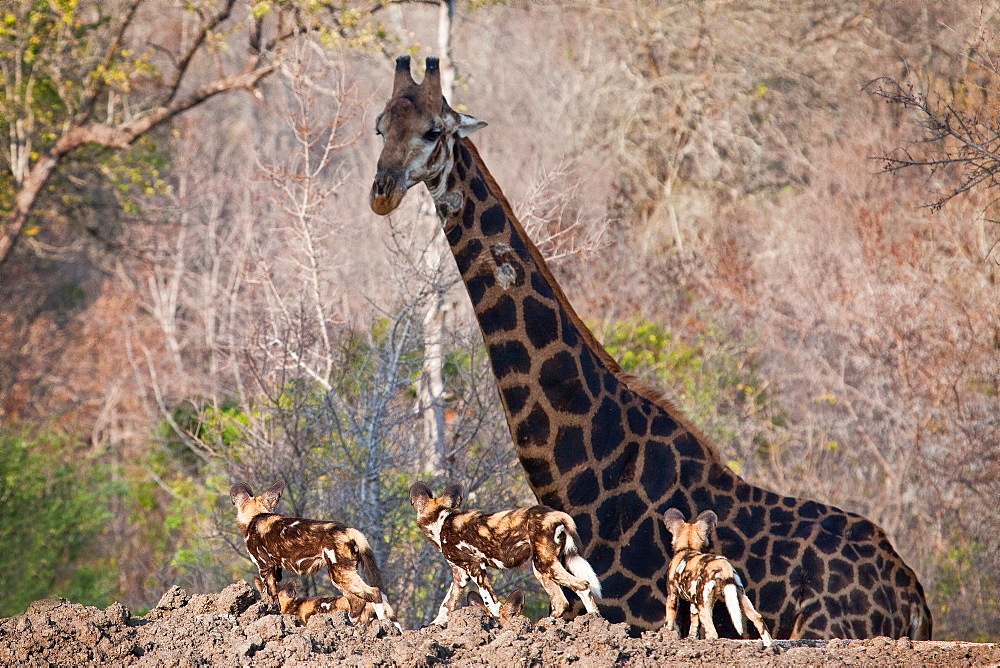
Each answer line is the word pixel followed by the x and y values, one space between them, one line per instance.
pixel 608 451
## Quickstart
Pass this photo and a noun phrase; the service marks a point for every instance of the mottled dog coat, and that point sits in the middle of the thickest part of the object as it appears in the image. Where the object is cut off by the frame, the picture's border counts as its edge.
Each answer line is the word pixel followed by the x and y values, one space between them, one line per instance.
pixel 472 540
pixel 701 578
pixel 305 546
pixel 510 611
pixel 361 613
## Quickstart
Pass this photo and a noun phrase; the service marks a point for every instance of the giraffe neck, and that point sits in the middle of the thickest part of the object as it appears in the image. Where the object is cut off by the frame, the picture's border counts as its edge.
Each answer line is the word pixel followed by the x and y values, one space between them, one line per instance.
pixel 568 403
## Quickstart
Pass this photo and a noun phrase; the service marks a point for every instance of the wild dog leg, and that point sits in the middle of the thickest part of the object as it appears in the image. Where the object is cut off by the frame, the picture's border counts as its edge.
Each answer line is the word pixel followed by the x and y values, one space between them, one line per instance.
pixel 486 591
pixel 670 620
pixel 695 614
pixel 350 583
pixel 556 596
pixel 580 586
pixel 459 579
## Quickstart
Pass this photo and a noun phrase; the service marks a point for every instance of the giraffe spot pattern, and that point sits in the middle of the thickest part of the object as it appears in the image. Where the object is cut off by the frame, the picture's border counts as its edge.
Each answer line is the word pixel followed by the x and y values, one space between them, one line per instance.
pixel 501 317
pixel 478 187
pixel 771 596
pixel 583 489
pixel 636 421
pixel 622 470
pixel 569 451
pixel 640 555
pixel 534 429
pixel 560 381
pixel 606 431
pixel 515 397
pixel 509 357
pixel 540 323
pixel 493 221
pixel 453 234
pixel 469 214
pixel 465 257
pixel 478 286
pixel 538 471
pixel 658 469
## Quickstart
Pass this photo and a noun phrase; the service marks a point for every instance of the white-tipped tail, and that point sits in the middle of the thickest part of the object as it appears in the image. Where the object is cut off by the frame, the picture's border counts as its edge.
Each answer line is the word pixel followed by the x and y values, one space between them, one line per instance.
pixel 733 605
pixel 580 567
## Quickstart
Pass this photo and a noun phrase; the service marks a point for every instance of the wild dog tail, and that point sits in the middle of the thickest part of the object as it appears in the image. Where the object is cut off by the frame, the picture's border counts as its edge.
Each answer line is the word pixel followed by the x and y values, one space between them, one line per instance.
pixel 366 558
pixel 732 596
pixel 574 561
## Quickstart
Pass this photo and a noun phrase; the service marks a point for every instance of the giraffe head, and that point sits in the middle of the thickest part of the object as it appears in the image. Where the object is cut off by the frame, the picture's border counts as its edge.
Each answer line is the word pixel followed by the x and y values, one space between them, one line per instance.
pixel 419 130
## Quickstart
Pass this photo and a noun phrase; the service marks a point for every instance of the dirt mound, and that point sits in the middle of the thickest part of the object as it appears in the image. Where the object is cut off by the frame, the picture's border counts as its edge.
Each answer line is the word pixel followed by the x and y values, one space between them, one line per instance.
pixel 235 628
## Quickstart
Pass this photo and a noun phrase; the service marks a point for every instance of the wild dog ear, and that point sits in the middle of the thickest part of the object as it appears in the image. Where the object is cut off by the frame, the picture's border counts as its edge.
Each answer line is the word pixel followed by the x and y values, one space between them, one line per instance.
pixel 674 519
pixel 512 606
pixel 475 599
pixel 419 494
pixel 705 524
pixel 288 589
pixel 273 495
pixel 453 495
pixel 240 493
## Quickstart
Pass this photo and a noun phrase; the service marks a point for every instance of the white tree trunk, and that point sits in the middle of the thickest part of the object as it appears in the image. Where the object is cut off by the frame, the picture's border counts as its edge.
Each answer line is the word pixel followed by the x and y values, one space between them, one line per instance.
pixel 431 387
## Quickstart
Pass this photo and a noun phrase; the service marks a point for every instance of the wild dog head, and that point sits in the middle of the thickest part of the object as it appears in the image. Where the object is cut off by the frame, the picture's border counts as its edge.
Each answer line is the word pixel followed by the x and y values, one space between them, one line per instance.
pixel 422 499
pixel 249 506
pixel 695 536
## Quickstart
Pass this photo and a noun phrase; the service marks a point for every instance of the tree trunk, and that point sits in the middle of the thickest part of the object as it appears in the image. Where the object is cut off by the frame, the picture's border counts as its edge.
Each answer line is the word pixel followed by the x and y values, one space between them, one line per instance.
pixel 431 394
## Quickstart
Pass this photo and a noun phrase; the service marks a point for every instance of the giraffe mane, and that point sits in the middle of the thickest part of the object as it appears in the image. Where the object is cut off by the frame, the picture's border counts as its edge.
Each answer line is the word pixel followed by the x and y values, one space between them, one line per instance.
pixel 631 382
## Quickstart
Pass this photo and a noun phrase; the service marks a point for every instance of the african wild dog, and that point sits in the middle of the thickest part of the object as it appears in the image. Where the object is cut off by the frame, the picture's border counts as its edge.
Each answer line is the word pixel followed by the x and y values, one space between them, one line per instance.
pixel 472 540
pixel 361 613
pixel 509 611
pixel 702 578
pixel 304 546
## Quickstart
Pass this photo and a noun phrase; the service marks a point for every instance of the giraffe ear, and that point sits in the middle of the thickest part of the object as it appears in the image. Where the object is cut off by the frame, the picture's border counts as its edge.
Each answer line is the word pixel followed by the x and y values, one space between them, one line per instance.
pixel 468 124
pixel 674 519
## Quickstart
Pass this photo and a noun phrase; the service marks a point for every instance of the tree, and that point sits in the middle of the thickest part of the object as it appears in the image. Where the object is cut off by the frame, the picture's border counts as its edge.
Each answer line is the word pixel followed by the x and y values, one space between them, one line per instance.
pixel 87 73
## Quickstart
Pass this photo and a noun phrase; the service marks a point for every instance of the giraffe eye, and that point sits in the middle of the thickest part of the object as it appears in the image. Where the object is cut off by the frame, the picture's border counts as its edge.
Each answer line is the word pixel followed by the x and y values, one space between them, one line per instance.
pixel 432 134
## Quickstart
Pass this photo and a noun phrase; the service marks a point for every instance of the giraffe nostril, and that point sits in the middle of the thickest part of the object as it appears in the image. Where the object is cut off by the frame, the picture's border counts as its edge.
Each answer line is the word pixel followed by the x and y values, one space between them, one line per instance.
pixel 384 185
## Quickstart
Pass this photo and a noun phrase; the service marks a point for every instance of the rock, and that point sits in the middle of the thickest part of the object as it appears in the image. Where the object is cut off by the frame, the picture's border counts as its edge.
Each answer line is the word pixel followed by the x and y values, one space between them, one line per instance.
pixel 173 598
pixel 116 614
pixel 236 598
pixel 254 612
pixel 270 627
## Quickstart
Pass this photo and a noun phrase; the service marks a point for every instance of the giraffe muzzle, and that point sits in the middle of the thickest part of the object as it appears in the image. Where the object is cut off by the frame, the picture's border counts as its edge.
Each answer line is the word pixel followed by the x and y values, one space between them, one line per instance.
pixel 386 193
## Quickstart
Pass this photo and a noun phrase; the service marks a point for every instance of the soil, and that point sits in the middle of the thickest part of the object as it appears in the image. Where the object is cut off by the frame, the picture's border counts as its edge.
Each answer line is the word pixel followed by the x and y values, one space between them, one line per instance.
pixel 236 628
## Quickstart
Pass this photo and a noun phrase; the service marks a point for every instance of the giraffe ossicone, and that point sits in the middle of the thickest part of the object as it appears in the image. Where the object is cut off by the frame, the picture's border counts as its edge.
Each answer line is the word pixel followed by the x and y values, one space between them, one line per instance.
pixel 612 454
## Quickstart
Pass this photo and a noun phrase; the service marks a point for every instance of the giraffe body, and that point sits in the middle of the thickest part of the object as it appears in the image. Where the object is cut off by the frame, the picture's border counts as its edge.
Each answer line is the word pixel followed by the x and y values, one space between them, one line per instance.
pixel 612 454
